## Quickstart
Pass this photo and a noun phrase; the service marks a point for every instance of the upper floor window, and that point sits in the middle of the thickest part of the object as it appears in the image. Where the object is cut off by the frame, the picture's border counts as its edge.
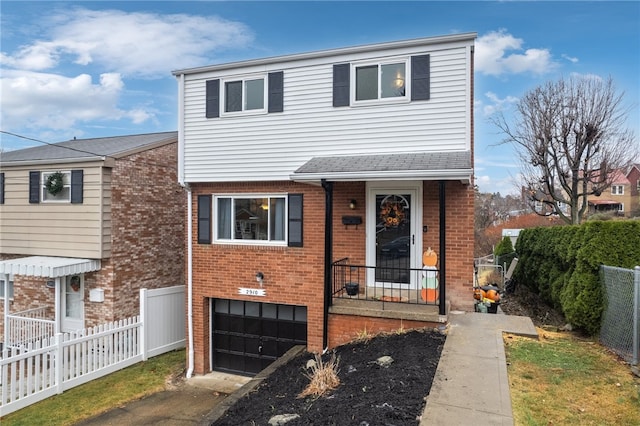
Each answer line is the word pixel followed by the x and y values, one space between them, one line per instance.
pixel 380 81
pixel 395 80
pixel 10 289
pixel 244 95
pixel 56 186
pixel 617 190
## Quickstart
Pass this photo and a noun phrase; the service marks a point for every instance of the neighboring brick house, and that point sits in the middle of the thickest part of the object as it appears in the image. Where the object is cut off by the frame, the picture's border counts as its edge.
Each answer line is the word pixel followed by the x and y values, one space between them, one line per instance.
pixel 622 197
pixel 85 224
pixel 310 171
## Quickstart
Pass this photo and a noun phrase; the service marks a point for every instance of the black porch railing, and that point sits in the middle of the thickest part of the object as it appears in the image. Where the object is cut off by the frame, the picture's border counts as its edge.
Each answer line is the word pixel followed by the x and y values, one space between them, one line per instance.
pixel 385 284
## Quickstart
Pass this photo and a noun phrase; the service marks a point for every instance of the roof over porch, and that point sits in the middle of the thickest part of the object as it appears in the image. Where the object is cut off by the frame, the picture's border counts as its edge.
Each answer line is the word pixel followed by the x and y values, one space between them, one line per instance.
pixel 405 166
pixel 48 267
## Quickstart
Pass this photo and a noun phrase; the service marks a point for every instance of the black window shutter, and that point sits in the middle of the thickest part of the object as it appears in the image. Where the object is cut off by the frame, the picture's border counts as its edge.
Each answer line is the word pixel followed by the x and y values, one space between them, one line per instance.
pixel 295 220
pixel 77 177
pixel 34 187
pixel 276 91
pixel 204 219
pixel 2 188
pixel 213 98
pixel 341 84
pixel 420 78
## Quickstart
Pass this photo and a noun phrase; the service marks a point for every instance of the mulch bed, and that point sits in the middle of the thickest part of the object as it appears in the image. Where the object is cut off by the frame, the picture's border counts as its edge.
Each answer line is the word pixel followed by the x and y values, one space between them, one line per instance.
pixel 369 394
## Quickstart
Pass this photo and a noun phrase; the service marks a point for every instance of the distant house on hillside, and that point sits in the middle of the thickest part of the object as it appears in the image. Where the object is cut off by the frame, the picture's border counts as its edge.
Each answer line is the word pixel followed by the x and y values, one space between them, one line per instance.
pixel 85 224
pixel 622 197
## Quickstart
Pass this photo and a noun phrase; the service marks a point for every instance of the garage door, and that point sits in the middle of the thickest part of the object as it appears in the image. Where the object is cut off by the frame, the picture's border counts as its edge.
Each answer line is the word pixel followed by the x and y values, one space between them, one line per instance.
pixel 248 336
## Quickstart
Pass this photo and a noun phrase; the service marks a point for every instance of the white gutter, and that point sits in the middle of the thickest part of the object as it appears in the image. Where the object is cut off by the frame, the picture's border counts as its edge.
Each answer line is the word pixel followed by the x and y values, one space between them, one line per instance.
pixel 190 282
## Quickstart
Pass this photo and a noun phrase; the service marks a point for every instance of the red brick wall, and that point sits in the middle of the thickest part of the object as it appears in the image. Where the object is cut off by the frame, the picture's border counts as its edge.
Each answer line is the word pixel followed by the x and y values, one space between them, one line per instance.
pixel 345 328
pixel 295 275
pixel 292 275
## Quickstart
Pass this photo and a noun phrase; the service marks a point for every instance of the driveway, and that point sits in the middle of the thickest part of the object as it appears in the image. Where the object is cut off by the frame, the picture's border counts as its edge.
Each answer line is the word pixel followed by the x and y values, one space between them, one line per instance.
pixel 186 403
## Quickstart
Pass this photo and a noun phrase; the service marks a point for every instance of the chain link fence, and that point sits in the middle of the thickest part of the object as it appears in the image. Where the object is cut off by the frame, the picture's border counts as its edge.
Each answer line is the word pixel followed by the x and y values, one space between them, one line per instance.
pixel 620 325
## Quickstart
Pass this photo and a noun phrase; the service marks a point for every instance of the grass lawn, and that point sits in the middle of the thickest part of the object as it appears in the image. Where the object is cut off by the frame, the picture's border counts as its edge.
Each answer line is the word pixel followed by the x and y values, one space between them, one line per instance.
pixel 563 379
pixel 100 395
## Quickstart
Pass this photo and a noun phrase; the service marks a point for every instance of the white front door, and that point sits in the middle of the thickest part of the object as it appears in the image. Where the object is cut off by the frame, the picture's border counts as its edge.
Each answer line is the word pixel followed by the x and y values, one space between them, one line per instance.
pixel 73 303
pixel 394 216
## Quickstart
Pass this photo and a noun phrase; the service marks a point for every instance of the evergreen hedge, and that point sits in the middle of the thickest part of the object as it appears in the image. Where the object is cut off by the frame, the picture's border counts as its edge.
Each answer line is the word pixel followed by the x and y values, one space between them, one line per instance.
pixel 562 265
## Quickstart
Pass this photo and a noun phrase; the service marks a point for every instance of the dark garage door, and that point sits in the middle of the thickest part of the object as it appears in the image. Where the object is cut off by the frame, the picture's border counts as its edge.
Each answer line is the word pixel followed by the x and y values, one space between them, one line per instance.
pixel 248 336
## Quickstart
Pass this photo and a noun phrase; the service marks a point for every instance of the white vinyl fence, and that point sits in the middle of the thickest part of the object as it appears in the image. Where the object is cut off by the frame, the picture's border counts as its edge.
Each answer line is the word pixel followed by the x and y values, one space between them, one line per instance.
pixel 50 366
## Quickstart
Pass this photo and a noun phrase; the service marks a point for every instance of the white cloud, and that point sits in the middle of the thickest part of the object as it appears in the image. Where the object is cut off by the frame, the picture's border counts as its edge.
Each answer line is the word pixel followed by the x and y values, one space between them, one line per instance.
pixel 498 53
pixel 51 101
pixel 496 104
pixel 572 59
pixel 137 44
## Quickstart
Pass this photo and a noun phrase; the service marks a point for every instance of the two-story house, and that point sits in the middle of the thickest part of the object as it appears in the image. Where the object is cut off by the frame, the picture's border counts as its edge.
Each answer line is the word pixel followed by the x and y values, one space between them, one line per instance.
pixel 84 225
pixel 623 195
pixel 317 182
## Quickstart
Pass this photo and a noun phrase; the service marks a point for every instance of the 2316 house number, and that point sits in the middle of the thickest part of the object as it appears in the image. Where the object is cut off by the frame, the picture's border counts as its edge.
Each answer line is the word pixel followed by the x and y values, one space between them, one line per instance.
pixel 252 291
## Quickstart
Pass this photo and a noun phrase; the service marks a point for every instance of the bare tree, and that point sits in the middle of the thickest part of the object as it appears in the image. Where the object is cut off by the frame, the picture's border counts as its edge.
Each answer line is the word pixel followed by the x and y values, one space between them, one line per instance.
pixel 570 138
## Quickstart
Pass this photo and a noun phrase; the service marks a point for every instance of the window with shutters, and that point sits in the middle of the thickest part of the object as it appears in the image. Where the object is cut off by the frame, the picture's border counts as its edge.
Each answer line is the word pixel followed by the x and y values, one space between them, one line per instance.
pixel 246 95
pixel 61 195
pixel 272 219
pixel 380 82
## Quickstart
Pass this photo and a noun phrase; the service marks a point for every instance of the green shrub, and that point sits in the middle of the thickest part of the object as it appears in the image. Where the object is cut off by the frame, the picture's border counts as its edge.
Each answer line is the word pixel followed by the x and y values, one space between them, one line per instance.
pixel 562 265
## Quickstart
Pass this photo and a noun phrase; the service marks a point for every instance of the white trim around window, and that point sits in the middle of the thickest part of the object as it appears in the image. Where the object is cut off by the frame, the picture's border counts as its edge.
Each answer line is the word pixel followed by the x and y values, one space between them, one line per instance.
pixel 392 78
pixel 63 196
pixel 260 219
pixel 617 189
pixel 241 95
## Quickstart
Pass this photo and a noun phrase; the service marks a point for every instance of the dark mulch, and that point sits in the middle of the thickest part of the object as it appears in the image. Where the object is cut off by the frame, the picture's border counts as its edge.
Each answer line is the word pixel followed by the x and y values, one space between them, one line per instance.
pixel 368 394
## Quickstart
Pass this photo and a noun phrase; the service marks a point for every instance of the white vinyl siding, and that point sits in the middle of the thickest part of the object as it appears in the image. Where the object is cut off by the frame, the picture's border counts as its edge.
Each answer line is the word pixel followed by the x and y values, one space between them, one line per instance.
pixel 54 228
pixel 272 146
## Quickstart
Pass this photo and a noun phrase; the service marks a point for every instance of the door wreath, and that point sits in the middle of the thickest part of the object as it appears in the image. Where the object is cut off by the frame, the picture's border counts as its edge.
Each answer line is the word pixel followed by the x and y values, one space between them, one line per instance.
pixel 392 211
pixel 54 183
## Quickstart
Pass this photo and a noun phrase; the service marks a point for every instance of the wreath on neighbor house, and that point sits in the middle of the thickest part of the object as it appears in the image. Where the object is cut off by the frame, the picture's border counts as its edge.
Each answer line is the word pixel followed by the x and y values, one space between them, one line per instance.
pixel 54 183
pixel 75 283
pixel 392 213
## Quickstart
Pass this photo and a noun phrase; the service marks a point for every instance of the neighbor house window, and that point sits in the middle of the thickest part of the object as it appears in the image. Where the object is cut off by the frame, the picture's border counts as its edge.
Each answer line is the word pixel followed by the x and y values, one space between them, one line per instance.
pixel 52 191
pixel 380 81
pixel 255 218
pixel 621 207
pixel 617 190
pixel 10 288
pixel 244 95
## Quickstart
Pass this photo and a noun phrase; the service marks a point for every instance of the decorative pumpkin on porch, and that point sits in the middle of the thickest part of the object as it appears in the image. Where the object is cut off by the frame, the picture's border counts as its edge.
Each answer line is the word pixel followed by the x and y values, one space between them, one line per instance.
pixel 429 291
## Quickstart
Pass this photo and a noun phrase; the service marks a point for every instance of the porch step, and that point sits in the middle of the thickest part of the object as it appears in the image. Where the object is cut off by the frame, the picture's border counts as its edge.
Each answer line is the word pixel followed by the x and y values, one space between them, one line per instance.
pixel 392 310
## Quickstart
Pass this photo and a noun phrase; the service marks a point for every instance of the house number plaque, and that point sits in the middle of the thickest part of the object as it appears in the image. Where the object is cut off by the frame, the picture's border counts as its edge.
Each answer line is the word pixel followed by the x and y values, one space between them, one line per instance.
pixel 252 291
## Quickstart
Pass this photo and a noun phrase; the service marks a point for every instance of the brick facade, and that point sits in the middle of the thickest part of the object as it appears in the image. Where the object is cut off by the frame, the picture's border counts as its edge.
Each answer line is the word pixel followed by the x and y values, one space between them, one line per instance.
pixel 295 275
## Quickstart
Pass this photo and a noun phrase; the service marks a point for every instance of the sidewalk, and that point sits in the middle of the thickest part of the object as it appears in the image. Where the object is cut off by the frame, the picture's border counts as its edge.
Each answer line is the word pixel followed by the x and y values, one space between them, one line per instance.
pixel 471 385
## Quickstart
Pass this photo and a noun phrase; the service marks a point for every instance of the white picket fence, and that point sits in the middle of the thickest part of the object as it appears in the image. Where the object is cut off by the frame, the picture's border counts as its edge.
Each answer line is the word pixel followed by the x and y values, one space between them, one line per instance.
pixel 52 365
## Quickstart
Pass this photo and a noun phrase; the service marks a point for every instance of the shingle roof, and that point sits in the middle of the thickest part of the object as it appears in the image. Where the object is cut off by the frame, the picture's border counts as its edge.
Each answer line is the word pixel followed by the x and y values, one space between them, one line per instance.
pixel 405 166
pixel 115 146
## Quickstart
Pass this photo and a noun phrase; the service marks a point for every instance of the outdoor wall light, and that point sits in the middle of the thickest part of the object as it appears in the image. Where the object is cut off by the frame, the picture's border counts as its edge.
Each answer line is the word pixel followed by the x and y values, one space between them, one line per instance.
pixel 352 204
pixel 260 277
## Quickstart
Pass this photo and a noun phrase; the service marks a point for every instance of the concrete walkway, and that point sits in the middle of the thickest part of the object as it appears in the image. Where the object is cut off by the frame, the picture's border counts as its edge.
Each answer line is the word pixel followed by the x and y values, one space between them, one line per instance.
pixel 471 385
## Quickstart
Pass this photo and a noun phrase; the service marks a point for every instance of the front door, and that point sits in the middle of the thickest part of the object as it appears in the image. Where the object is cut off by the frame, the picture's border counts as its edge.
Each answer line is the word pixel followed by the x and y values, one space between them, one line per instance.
pixel 73 303
pixel 394 214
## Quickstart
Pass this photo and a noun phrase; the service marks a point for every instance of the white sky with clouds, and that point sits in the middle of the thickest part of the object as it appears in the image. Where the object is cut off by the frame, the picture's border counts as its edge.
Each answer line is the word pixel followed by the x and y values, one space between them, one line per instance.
pixel 93 69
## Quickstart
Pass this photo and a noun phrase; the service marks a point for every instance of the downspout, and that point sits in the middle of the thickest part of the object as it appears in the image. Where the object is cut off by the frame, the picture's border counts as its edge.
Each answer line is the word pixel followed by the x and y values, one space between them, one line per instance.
pixel 443 252
pixel 328 255
pixel 190 282
pixel 181 181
